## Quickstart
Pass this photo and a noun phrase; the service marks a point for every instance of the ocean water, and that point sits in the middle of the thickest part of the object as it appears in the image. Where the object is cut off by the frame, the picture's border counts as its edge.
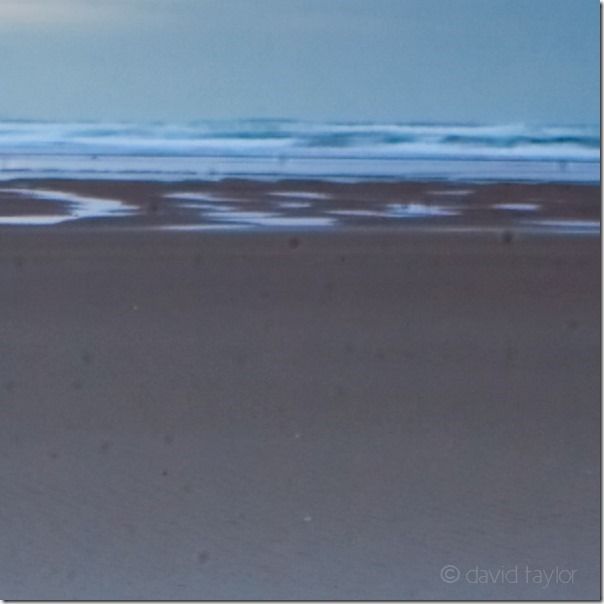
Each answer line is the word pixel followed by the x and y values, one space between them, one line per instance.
pixel 287 148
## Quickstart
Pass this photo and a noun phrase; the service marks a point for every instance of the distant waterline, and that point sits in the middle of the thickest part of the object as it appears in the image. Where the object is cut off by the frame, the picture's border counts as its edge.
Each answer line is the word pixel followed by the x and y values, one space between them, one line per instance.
pixel 273 148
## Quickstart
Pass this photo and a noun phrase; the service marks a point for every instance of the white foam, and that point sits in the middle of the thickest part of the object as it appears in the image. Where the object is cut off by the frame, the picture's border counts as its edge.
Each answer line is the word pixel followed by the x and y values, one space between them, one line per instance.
pixel 79 207
pixel 196 197
pixel 418 210
pixel 33 220
pixel 569 226
pixel 302 221
pixel 517 207
pixel 277 148
pixel 294 205
pixel 361 213
pixel 296 138
pixel 302 194
pixel 270 219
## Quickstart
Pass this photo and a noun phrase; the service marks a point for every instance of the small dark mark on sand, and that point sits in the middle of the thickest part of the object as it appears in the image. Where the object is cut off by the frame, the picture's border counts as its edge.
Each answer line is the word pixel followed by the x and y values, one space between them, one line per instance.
pixel 511 352
pixel 203 557
pixel 71 575
pixel 105 446
pixel 293 243
pixel 53 455
pixel 511 356
pixel 507 237
pixel 164 472
pixel 239 358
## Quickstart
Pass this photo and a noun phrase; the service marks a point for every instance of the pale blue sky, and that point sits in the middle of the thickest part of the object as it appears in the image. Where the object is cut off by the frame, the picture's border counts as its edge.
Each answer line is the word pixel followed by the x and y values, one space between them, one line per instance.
pixel 533 61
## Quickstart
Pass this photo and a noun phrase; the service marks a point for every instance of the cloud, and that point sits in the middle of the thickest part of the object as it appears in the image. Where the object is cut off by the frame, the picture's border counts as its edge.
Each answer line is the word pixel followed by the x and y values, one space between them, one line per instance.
pixel 34 14
pixel 264 16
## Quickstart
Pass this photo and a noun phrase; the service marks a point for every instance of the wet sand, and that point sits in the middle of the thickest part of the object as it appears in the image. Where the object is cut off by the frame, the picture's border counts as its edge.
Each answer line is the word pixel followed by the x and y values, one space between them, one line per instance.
pixel 297 415
pixel 234 203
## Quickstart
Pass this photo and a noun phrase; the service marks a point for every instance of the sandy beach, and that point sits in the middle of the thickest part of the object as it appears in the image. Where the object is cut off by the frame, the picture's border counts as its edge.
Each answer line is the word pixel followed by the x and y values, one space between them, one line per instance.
pixel 298 414
pixel 300 300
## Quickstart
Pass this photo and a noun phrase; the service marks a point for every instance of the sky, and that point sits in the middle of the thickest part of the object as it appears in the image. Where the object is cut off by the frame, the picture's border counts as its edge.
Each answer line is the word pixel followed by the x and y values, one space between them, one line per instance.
pixel 479 61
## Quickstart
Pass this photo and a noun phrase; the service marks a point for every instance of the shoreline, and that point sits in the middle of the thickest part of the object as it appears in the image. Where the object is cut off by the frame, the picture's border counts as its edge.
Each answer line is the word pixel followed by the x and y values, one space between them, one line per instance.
pixel 233 204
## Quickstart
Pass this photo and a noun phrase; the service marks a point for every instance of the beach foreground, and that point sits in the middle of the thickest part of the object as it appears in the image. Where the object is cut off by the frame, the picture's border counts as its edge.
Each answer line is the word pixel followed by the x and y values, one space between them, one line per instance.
pixel 298 414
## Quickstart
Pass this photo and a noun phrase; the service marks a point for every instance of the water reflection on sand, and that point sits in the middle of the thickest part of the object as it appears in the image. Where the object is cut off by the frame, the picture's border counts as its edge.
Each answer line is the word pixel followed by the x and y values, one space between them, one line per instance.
pixel 252 204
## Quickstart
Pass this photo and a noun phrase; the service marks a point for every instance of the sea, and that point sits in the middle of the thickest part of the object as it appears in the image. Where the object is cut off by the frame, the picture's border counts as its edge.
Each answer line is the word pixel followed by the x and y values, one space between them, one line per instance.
pixel 276 148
